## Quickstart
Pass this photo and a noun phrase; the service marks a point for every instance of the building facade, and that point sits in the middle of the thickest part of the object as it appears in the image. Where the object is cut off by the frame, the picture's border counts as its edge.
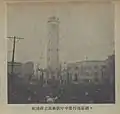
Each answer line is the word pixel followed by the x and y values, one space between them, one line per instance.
pixel 17 67
pixel 110 69
pixel 87 71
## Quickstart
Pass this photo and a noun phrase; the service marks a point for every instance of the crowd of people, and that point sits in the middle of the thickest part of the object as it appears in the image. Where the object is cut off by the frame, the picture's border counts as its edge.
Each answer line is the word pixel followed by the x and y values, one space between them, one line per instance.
pixel 19 93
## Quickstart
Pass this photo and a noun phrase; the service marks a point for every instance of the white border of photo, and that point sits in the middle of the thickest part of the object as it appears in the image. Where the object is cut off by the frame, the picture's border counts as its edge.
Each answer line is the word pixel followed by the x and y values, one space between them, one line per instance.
pixel 27 109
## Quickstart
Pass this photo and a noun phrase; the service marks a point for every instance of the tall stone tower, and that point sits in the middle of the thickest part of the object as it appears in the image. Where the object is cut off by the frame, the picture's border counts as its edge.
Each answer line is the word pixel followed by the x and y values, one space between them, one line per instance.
pixel 52 47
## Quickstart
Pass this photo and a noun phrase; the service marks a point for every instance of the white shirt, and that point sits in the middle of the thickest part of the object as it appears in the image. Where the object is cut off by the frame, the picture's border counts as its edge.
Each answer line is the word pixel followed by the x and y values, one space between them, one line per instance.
pixel 50 99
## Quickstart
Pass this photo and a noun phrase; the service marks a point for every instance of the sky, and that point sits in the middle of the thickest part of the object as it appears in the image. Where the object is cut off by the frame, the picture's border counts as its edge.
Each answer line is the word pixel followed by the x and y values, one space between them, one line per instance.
pixel 85 30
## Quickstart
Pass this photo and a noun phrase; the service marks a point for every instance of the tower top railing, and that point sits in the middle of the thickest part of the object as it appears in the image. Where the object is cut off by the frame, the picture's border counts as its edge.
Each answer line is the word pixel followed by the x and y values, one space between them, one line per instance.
pixel 53 19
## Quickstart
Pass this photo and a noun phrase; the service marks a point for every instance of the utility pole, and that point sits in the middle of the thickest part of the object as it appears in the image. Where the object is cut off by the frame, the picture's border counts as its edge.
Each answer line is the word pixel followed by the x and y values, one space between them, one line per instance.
pixel 13 51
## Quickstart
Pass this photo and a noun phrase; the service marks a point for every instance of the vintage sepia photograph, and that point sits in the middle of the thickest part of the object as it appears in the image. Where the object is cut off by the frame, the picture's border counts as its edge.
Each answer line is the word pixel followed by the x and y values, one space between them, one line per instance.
pixel 60 53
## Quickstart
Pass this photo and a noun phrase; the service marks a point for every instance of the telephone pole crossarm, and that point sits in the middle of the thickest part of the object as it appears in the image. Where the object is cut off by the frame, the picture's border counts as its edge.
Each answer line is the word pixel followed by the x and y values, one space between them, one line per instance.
pixel 12 37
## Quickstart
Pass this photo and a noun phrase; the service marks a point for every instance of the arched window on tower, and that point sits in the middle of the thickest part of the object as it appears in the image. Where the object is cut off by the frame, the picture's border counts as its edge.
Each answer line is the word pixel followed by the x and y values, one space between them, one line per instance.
pixel 48 58
pixel 57 49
